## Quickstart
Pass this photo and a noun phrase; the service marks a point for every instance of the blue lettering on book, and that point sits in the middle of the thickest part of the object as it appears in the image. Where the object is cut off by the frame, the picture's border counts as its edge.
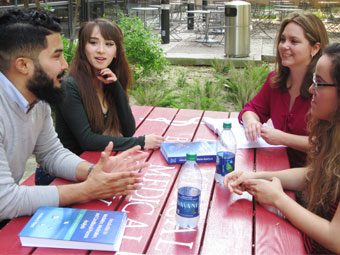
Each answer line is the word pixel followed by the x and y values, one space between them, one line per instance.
pixel 84 224
pixel 96 233
pixel 37 220
pixel 94 221
pixel 103 219
pixel 108 226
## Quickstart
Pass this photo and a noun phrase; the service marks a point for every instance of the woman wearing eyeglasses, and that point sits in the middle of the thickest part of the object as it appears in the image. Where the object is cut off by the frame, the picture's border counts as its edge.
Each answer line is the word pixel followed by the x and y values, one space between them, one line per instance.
pixel 320 180
pixel 284 98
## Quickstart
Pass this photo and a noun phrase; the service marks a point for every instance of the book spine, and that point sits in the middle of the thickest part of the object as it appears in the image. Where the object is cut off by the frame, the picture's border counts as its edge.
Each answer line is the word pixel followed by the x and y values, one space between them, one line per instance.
pixel 200 159
pixel 164 155
pixel 176 160
pixel 205 159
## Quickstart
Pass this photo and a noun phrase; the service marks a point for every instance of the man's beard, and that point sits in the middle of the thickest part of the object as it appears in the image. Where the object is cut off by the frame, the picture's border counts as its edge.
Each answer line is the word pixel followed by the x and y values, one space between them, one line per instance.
pixel 42 86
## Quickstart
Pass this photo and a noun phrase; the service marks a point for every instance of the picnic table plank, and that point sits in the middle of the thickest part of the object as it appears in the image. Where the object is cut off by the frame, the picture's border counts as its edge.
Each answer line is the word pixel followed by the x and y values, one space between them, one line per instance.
pixel 57 251
pixel 157 121
pixel 9 240
pixel 145 205
pixel 274 234
pixel 230 221
pixel 140 113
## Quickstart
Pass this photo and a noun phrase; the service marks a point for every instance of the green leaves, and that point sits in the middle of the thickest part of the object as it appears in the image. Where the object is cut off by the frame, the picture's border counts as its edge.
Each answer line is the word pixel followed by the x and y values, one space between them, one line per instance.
pixel 154 92
pixel 142 47
pixel 228 89
pixel 180 91
pixel 69 49
pixel 244 83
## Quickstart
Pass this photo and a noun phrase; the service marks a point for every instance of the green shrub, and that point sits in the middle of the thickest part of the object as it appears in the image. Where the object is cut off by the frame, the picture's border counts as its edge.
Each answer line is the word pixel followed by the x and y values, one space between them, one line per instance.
pixel 209 95
pixel 320 14
pixel 221 67
pixel 142 47
pixel 245 83
pixel 153 92
pixel 69 51
pixel 227 90
pixel 183 92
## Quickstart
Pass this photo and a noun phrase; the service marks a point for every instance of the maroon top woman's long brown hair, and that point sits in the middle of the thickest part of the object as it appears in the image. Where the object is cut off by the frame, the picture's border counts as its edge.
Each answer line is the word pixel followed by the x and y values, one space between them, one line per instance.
pixel 314 31
pixel 84 75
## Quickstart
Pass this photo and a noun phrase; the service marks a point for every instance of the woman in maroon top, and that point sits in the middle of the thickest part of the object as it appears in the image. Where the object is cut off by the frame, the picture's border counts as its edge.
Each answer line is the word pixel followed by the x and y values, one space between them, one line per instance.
pixel 284 98
pixel 320 180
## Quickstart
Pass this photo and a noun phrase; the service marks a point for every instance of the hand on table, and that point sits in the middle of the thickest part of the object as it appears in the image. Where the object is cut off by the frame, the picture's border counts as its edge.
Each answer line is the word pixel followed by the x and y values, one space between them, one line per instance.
pixel 234 180
pixel 264 191
pixel 252 130
pixel 116 175
pixel 272 135
pixel 153 141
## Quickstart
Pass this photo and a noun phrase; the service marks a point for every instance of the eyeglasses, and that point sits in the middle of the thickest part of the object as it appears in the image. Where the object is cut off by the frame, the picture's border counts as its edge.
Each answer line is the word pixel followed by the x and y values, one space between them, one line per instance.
pixel 316 84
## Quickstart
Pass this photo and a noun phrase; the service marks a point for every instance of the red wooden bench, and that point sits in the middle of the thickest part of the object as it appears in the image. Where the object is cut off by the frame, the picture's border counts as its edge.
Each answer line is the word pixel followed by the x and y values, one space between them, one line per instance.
pixel 229 224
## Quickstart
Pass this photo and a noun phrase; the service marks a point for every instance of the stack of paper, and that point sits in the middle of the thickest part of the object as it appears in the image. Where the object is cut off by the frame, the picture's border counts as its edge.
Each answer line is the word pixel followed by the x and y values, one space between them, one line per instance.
pixel 216 125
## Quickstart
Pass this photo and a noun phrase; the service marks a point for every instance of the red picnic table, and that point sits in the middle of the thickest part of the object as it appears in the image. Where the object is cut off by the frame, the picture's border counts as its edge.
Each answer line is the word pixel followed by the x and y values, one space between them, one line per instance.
pixel 229 224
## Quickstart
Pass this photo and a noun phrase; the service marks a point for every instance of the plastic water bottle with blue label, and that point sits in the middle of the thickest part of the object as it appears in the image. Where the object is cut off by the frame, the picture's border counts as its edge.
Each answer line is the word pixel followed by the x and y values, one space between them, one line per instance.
pixel 189 193
pixel 225 152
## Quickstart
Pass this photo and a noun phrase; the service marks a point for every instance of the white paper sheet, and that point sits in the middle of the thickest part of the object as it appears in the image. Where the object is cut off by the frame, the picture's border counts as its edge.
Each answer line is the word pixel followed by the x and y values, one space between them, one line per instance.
pixel 216 125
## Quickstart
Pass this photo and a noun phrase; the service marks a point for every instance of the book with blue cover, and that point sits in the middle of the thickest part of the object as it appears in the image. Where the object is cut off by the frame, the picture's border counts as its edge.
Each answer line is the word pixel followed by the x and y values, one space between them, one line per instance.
pixel 71 228
pixel 175 153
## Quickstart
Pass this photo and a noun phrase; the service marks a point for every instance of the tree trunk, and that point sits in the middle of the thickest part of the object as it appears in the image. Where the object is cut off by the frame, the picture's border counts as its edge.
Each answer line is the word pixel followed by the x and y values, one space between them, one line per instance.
pixel 37 3
pixel 26 4
pixel 75 23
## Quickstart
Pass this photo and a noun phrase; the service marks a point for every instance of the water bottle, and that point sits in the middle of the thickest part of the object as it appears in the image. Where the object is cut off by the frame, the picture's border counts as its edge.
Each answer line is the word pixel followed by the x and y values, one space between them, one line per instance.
pixel 225 152
pixel 189 193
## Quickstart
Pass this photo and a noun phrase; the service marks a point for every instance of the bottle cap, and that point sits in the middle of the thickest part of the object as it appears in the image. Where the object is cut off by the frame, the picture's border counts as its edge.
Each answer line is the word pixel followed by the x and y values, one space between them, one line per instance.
pixel 226 125
pixel 191 156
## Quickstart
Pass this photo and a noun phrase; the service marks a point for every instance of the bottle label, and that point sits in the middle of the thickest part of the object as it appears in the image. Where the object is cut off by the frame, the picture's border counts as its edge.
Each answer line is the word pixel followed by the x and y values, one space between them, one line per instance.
pixel 225 162
pixel 188 202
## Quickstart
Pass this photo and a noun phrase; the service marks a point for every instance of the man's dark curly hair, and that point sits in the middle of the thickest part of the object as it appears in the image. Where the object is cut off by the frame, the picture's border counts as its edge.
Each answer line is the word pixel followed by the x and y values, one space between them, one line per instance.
pixel 23 34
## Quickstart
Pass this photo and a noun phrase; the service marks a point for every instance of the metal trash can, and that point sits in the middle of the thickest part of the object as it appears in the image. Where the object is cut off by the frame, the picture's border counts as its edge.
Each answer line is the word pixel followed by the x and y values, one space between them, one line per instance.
pixel 237 29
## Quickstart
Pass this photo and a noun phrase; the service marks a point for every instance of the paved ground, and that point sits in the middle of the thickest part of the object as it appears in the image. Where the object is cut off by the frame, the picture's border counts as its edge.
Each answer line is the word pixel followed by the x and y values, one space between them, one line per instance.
pixel 31 164
pixel 187 51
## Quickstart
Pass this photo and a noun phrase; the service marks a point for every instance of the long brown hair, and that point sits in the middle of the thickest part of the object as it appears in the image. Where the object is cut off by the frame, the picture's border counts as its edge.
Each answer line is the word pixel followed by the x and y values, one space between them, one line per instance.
pixel 84 74
pixel 323 180
pixel 314 31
